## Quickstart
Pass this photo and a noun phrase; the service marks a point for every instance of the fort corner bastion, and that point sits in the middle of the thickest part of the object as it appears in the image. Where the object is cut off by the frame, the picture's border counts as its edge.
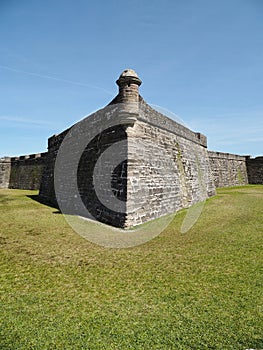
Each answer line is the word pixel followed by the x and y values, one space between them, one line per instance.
pixel 127 164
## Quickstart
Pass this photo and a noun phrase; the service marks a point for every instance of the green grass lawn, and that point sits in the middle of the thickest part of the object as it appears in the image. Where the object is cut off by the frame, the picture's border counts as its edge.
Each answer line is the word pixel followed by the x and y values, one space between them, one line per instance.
pixel 197 290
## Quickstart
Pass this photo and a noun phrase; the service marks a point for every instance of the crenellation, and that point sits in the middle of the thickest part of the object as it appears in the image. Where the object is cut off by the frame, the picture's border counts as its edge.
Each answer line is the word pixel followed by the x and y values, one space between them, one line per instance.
pixel 26 171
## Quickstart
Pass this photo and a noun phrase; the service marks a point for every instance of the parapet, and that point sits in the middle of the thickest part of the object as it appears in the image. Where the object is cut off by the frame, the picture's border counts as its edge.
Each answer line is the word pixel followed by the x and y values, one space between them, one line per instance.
pixel 28 157
pixel 202 138
pixel 5 160
pixel 229 156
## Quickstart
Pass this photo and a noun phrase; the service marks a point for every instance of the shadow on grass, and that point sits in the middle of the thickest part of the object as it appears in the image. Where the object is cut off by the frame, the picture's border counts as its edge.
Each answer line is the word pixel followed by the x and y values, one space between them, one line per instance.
pixel 35 197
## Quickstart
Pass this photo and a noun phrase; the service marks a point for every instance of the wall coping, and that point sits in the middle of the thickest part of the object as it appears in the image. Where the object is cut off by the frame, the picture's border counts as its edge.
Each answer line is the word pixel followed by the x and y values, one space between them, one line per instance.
pixel 28 157
pixel 223 155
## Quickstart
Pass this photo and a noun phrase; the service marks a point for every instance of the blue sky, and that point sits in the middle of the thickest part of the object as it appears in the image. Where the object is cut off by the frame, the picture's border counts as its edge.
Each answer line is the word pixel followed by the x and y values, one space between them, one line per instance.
pixel 200 59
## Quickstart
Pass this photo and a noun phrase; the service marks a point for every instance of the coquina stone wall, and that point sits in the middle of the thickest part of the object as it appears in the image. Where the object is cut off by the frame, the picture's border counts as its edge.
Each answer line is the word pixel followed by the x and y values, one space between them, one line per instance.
pixel 228 169
pixel 67 180
pixel 165 165
pixel 46 188
pixel 5 169
pixel 255 170
pixel 168 167
pixel 24 172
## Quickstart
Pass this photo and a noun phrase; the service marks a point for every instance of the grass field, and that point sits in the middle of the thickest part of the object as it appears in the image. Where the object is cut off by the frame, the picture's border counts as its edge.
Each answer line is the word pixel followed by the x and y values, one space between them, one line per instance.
pixel 198 290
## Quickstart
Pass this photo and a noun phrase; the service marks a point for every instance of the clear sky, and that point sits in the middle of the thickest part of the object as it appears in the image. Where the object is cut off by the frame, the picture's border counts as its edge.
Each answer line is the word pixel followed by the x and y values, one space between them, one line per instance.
pixel 200 59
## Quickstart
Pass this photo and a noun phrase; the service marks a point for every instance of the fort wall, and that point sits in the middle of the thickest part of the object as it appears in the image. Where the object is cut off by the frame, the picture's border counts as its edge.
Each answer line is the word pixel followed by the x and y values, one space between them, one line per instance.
pixel 75 190
pixel 24 172
pixel 228 169
pixel 168 167
pixel 255 170
pixel 46 188
pixel 5 169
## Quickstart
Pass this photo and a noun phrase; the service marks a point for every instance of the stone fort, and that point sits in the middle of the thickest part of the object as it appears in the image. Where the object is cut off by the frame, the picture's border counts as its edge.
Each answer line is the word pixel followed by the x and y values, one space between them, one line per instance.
pixel 152 165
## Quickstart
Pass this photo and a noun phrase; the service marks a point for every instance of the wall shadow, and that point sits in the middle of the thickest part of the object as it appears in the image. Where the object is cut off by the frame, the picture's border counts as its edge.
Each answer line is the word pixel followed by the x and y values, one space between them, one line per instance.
pixel 37 198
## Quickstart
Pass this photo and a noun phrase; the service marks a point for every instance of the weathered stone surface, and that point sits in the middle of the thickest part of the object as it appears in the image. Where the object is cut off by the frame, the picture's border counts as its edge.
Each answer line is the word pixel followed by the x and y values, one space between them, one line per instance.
pixel 255 170
pixel 5 169
pixel 228 169
pixel 166 165
pixel 168 168
pixel 77 173
pixel 24 172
